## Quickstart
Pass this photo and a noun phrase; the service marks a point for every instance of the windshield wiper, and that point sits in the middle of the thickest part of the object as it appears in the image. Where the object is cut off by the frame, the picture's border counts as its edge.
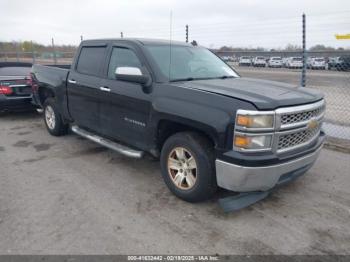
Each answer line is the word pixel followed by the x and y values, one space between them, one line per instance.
pixel 183 79
pixel 200 78
pixel 224 77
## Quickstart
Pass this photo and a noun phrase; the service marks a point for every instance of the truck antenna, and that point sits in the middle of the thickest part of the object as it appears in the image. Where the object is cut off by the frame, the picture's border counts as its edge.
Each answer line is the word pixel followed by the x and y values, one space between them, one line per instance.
pixel 171 35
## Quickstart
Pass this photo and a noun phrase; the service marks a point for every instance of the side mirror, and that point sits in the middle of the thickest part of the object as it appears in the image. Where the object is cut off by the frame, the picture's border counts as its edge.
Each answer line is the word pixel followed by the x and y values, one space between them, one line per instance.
pixel 131 74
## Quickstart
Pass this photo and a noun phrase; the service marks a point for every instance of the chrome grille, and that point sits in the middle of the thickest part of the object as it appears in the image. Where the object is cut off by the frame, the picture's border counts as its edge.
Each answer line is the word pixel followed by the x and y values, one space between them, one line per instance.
pixel 293 118
pixel 299 138
pixel 294 126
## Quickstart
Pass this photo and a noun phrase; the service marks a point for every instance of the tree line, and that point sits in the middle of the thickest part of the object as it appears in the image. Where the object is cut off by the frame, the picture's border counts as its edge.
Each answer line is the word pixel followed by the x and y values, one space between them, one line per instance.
pixel 29 46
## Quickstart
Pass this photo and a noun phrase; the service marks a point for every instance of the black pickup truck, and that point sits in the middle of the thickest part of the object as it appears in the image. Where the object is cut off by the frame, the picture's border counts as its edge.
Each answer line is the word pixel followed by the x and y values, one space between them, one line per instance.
pixel 181 103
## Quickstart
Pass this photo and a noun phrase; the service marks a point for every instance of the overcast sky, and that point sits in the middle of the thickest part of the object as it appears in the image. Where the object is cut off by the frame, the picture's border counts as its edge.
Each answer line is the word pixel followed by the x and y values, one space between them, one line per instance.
pixel 239 23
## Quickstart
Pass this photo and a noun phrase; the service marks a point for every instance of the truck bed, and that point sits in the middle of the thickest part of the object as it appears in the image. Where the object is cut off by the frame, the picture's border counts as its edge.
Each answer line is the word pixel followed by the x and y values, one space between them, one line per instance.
pixel 53 77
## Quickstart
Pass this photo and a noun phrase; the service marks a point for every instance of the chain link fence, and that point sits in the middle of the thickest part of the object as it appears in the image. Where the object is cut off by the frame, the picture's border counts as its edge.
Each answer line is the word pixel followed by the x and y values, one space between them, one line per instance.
pixel 327 71
pixel 52 58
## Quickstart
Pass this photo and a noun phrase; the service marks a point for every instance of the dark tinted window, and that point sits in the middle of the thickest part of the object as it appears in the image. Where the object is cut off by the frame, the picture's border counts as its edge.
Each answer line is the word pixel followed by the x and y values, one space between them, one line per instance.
pixel 91 60
pixel 122 57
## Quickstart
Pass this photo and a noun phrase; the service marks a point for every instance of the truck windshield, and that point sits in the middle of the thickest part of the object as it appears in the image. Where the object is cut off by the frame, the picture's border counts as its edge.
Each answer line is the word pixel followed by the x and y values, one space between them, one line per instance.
pixel 189 63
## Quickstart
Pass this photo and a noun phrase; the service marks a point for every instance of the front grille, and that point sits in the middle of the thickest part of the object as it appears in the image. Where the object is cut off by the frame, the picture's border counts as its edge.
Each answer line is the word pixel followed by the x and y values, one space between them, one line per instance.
pixel 295 127
pixel 292 118
pixel 291 140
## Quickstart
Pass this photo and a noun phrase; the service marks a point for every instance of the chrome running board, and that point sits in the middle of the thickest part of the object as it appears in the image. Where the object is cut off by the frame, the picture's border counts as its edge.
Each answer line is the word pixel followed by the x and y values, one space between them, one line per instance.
pixel 122 149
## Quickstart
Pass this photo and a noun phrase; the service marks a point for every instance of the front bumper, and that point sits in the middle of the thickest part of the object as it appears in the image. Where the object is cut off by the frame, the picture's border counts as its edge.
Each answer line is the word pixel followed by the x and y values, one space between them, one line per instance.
pixel 241 178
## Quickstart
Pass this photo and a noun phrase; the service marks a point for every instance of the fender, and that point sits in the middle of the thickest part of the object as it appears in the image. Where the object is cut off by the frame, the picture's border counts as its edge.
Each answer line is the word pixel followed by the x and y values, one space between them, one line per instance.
pixel 54 80
pixel 211 121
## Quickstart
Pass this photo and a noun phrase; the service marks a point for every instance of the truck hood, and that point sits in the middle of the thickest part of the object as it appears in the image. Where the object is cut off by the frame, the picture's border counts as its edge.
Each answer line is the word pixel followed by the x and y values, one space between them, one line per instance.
pixel 264 94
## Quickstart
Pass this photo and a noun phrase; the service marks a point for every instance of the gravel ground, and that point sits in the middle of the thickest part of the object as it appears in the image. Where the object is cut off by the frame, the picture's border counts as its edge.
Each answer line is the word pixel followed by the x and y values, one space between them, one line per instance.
pixel 69 196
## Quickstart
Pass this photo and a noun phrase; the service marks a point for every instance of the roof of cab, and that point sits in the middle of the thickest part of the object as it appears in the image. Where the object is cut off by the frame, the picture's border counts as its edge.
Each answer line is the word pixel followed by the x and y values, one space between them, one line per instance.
pixel 142 41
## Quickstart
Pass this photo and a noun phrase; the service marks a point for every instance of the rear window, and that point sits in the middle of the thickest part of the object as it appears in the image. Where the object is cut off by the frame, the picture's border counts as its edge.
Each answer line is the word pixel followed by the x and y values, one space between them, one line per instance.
pixel 296 58
pixel 90 60
pixel 260 58
pixel 245 57
pixel 319 59
pixel 276 58
pixel 14 71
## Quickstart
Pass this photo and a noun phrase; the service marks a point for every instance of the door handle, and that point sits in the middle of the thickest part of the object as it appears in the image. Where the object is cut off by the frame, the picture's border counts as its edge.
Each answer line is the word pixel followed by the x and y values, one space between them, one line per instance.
pixel 105 89
pixel 72 81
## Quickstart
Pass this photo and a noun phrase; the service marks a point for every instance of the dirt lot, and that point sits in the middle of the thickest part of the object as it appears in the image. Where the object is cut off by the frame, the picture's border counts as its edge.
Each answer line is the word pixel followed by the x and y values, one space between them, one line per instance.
pixel 69 196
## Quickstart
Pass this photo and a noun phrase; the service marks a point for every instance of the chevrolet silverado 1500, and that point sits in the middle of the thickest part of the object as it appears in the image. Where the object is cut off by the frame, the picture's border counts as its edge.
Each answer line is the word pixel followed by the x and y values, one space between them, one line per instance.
pixel 208 126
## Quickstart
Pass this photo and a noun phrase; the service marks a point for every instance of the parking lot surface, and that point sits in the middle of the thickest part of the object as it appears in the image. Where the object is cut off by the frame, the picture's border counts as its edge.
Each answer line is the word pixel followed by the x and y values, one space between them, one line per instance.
pixel 67 195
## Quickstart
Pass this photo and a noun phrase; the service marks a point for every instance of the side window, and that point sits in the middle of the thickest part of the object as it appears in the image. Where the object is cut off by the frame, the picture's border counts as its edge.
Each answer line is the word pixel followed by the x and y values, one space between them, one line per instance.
pixel 90 60
pixel 122 57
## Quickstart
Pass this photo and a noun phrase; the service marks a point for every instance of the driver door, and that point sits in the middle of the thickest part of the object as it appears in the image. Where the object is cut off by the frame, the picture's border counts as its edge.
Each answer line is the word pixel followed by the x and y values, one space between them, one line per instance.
pixel 126 107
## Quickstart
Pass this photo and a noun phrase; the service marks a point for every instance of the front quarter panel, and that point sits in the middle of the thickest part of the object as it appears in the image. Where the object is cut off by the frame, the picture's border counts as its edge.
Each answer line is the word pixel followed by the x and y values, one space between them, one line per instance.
pixel 211 113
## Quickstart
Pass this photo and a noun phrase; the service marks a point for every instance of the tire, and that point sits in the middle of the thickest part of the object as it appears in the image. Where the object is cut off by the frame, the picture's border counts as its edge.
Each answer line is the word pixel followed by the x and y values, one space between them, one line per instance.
pixel 53 119
pixel 193 185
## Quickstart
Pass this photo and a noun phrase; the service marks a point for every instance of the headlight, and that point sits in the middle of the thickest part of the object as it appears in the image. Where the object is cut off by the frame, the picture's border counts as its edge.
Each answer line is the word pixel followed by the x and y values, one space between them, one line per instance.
pixel 253 120
pixel 252 142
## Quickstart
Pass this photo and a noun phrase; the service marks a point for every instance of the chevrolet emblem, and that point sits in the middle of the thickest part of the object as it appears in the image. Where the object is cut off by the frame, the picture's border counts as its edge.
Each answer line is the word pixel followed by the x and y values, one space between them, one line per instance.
pixel 312 124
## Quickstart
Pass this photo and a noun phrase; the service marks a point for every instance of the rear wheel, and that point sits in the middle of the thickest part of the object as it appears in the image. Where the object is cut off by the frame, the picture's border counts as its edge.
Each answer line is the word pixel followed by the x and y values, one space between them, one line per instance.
pixel 188 166
pixel 53 119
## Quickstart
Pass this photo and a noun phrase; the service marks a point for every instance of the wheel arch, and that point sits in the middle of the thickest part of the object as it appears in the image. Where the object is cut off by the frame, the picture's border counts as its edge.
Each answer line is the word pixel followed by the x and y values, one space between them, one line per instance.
pixel 45 92
pixel 169 127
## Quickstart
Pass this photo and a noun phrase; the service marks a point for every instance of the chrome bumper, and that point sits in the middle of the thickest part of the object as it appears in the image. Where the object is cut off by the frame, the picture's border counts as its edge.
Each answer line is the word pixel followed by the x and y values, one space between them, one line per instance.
pixel 244 179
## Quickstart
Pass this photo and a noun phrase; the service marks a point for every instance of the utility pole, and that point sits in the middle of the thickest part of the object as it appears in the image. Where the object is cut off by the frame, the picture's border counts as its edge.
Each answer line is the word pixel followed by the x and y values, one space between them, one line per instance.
pixel 186 33
pixel 33 51
pixel 81 38
pixel 121 35
pixel 17 53
pixel 303 73
pixel 54 51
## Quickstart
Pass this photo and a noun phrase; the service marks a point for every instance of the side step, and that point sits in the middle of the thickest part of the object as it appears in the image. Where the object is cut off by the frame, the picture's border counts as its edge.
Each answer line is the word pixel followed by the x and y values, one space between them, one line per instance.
pixel 122 149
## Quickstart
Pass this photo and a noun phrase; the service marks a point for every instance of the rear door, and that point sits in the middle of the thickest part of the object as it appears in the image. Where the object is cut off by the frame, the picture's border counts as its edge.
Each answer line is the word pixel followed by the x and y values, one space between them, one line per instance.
pixel 84 96
pixel 126 106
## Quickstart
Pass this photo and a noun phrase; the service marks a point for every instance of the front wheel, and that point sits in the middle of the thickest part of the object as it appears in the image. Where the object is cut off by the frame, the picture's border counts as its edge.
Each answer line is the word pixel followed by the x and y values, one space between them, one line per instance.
pixel 188 166
pixel 53 119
